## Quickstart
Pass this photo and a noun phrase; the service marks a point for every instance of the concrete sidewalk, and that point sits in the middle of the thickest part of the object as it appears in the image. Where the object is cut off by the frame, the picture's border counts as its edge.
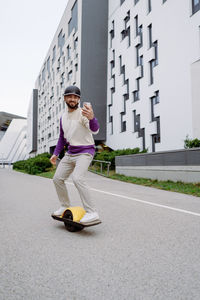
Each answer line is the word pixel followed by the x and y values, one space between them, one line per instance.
pixel 146 248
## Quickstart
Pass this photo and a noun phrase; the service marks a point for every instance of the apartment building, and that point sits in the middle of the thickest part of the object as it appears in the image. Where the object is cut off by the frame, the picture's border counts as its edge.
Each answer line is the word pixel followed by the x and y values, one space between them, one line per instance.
pixel 153 88
pixel 77 56
pixel 136 61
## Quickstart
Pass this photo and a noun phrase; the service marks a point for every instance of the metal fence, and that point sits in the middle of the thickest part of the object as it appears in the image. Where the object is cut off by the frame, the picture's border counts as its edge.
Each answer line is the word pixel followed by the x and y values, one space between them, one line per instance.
pixel 101 162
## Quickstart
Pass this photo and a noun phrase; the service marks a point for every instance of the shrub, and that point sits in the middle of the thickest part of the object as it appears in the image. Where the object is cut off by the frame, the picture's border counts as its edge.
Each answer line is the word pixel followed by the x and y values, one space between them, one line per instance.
pixel 34 165
pixel 110 156
pixel 19 165
pixel 195 143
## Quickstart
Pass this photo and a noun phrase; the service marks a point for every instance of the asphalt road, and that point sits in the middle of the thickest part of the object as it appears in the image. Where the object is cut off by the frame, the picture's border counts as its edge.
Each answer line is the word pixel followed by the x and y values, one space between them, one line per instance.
pixel 147 247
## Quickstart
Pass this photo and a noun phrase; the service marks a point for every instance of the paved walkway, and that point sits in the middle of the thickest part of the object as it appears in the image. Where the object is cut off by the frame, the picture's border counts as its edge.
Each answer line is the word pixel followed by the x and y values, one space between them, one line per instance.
pixel 146 248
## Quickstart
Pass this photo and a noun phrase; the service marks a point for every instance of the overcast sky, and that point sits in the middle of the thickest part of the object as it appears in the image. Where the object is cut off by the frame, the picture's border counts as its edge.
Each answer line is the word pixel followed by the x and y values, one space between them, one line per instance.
pixel 27 28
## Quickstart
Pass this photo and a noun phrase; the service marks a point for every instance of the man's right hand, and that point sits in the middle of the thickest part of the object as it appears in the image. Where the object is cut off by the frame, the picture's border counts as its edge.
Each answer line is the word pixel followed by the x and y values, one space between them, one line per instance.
pixel 53 159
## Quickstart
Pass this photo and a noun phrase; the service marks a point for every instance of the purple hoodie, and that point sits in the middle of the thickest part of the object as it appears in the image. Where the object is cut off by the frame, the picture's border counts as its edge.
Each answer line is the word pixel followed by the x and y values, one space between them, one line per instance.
pixel 94 126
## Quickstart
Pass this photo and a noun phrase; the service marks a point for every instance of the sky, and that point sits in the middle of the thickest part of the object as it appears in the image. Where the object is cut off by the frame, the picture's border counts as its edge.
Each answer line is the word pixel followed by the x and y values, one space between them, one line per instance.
pixel 27 28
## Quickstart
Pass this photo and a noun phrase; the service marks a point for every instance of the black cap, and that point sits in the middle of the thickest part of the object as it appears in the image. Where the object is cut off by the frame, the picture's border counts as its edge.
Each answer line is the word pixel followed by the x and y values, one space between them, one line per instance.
pixel 72 90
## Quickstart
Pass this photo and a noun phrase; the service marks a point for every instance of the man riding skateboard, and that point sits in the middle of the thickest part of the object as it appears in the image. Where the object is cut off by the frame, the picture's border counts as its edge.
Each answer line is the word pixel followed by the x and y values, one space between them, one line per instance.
pixel 76 129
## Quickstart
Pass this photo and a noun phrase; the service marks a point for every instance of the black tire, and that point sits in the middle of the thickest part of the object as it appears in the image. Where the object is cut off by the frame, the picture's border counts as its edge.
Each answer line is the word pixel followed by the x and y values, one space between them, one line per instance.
pixel 71 227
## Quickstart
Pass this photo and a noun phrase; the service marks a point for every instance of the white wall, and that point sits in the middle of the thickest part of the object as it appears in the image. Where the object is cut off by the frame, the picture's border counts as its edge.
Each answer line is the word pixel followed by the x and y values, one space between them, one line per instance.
pixel 178 35
pixel 13 143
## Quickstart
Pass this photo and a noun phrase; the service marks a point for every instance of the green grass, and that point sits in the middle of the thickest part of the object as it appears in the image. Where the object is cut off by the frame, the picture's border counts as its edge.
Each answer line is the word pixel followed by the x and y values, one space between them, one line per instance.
pixel 180 187
pixel 48 174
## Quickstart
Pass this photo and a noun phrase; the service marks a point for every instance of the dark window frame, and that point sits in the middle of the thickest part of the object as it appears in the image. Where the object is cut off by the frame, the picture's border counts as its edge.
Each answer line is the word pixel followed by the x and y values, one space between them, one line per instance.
pixel 149 6
pixel 195 7
pixel 150 35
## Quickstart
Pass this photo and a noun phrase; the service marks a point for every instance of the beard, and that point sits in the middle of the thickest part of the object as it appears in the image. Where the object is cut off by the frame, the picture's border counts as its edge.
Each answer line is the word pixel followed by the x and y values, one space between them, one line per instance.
pixel 72 106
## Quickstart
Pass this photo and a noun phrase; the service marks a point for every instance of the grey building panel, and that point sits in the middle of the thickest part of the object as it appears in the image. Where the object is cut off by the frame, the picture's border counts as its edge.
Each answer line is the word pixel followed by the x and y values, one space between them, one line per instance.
pixel 154 160
pixel 94 62
pixel 193 157
pixel 129 160
pixel 189 157
pixel 174 158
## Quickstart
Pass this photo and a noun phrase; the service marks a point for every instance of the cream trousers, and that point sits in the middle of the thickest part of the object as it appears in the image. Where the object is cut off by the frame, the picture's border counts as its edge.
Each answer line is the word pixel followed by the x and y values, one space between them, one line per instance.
pixel 77 165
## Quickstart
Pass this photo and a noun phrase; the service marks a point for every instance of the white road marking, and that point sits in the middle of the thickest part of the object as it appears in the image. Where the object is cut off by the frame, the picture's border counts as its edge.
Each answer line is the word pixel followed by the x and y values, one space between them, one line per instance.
pixel 145 202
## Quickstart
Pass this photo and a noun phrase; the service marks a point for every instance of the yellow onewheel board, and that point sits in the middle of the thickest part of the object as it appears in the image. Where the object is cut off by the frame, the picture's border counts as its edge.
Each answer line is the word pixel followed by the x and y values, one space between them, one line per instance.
pixel 71 218
pixel 77 212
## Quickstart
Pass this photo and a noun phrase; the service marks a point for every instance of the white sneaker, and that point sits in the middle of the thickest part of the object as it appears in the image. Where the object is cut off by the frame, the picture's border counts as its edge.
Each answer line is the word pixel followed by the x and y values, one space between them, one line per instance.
pixel 89 218
pixel 60 211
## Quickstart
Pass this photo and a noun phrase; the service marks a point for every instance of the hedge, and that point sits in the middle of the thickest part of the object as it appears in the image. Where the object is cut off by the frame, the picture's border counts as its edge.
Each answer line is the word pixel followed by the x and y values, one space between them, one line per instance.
pixel 35 165
pixel 110 156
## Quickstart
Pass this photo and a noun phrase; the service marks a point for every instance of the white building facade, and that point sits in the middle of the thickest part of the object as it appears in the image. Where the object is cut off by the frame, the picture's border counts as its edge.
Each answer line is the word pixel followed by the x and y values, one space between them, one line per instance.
pixel 136 61
pixel 77 56
pixel 32 124
pixel 13 144
pixel 153 89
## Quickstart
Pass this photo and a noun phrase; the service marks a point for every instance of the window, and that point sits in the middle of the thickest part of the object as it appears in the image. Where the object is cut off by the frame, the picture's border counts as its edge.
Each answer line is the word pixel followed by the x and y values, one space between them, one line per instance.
pixel 136 26
pixel 62 80
pixel 123 123
pixel 54 54
pixel 48 65
pixel 110 119
pixel 151 71
pixel 112 63
pixel 136 125
pixel 112 33
pixel 195 6
pixel 61 41
pixel 150 35
pixel 68 52
pixel 136 94
pixel 69 76
pixel 113 87
pixel 136 121
pixel 156 137
pixel 156 98
pixel 126 31
pixel 149 6
pixel 141 64
pixel 58 64
pixel 152 108
pixel 155 61
pixel 73 23
pixel 75 43
pixel 137 55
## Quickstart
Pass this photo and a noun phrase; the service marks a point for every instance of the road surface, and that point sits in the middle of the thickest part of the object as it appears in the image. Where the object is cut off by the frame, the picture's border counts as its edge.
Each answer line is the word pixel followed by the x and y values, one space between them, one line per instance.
pixel 147 247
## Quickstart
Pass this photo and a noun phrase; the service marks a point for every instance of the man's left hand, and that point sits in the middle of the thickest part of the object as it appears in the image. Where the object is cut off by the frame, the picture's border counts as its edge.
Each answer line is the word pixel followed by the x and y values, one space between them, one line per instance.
pixel 87 112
